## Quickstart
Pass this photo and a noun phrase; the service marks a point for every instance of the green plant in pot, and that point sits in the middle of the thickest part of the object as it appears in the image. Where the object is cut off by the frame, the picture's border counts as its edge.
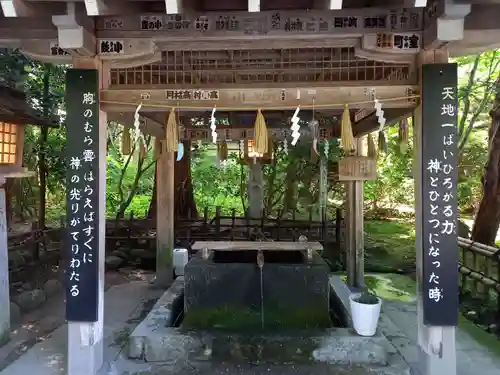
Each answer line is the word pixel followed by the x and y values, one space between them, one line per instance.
pixel 367 297
pixel 365 312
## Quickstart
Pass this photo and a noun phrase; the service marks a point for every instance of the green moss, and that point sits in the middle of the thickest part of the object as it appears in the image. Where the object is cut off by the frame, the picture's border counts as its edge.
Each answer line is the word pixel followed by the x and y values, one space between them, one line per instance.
pixel 240 318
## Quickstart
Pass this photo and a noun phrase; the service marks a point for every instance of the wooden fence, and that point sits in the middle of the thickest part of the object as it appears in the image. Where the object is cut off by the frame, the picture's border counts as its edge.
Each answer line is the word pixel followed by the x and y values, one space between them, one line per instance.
pixel 32 255
pixel 140 233
pixel 479 268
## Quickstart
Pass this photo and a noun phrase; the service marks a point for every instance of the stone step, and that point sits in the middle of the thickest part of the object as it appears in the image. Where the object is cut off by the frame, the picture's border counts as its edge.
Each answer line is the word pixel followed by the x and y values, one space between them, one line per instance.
pixel 334 346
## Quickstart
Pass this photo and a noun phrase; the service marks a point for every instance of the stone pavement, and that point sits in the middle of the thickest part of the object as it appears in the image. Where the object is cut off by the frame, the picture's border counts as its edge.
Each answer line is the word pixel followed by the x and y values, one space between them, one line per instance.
pixel 125 305
pixel 398 322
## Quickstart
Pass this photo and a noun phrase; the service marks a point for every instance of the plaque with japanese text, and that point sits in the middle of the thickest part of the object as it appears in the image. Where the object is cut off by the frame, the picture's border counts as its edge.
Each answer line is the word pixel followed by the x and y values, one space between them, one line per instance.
pixel 357 168
pixel 439 194
pixel 82 186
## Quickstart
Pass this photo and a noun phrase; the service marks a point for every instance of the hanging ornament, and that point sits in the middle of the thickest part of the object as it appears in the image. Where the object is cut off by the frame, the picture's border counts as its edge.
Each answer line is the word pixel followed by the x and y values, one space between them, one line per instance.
pixel 295 127
pixel 222 151
pixel 382 143
pixel 346 136
pixel 327 148
pixel 314 126
pixel 171 133
pixel 212 126
pixel 180 151
pixel 285 147
pixel 137 132
pixel 242 148
pixel 403 136
pixel 379 112
pixel 126 141
pixel 261 143
pixel 372 151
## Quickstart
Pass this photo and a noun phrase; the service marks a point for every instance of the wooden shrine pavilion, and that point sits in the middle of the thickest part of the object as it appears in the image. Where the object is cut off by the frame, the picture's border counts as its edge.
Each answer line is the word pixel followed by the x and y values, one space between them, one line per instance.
pixel 135 60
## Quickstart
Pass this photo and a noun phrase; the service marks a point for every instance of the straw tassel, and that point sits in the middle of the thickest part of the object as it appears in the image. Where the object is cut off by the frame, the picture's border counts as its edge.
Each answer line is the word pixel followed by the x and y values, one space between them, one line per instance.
pixel 346 136
pixel 372 151
pixel 222 150
pixel 126 141
pixel 403 136
pixel 171 133
pixel 261 137
pixel 382 143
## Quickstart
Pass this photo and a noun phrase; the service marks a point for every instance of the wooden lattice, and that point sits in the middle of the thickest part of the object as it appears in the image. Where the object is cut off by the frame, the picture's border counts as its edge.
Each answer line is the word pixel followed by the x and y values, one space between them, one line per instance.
pixel 8 143
pixel 260 66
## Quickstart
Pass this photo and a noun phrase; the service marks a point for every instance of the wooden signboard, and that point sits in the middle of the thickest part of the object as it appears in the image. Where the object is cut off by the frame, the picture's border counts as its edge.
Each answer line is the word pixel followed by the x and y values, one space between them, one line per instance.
pixel 439 195
pixel 357 168
pixel 82 245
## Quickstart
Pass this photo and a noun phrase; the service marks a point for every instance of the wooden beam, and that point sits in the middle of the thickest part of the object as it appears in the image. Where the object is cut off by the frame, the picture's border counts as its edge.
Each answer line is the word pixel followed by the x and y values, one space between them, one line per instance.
pixel 330 95
pixel 251 245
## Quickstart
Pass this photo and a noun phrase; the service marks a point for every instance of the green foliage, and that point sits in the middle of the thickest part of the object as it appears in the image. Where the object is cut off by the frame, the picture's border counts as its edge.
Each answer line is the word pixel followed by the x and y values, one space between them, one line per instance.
pixel 218 183
pixel 394 185
pixel 367 297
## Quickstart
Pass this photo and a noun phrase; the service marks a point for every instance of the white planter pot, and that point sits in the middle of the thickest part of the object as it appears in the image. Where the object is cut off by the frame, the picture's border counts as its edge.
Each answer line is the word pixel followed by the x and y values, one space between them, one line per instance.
pixel 364 317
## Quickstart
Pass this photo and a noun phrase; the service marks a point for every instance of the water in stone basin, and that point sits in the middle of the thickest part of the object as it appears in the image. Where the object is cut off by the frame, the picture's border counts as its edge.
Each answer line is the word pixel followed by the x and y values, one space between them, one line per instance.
pixel 230 291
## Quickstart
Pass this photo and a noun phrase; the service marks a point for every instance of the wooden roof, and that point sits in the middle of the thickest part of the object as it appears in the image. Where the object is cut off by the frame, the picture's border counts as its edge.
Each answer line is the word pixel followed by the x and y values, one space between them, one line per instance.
pixel 15 110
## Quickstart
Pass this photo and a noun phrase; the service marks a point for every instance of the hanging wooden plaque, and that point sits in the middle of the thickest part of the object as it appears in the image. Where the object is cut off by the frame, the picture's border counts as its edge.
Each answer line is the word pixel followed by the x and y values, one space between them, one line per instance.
pixel 357 168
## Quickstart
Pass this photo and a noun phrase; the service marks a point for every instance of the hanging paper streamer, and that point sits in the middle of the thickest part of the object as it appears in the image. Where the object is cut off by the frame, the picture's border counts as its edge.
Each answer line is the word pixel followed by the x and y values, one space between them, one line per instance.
pixel 314 126
pixel 261 136
pixel 242 148
pixel 137 123
pixel 171 133
pixel 403 136
pixel 285 147
pixel 346 137
pixel 180 151
pixel 295 127
pixel 327 148
pixel 126 147
pixel 372 151
pixel 212 126
pixel 379 112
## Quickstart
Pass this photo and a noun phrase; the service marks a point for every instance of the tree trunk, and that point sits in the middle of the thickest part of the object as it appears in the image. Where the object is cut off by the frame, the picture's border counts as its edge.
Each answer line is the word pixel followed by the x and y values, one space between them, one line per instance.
pixel 185 204
pixel 152 205
pixel 488 215
pixel 42 164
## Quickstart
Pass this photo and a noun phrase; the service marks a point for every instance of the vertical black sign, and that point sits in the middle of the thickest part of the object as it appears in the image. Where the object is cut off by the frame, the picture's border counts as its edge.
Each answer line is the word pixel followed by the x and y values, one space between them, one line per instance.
pixel 439 200
pixel 82 186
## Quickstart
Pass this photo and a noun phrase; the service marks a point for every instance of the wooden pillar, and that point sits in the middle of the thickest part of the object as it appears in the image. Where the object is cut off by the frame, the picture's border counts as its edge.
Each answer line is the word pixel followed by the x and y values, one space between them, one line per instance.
pixel 436 345
pixel 165 217
pixel 355 229
pixel 4 269
pixel 85 339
